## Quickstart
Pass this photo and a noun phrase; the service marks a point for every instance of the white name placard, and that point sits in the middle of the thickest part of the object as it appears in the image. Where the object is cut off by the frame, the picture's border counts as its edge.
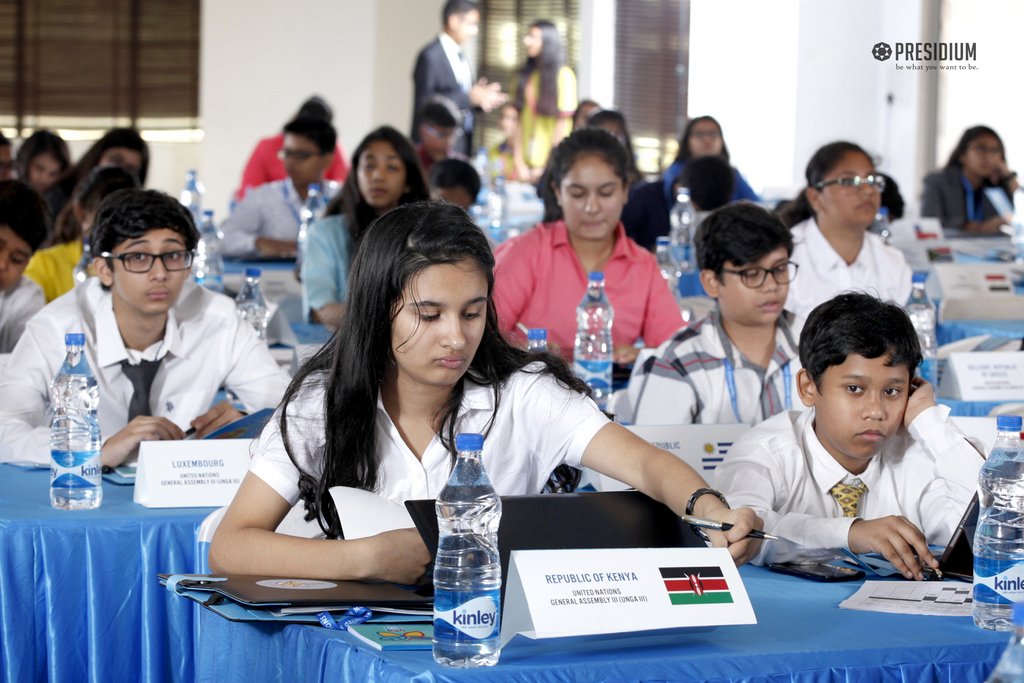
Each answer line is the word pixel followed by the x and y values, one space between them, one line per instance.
pixel 984 376
pixel 555 593
pixel 199 473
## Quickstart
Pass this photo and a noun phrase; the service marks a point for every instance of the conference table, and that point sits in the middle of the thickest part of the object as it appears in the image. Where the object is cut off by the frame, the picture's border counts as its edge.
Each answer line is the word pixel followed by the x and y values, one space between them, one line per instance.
pixel 79 599
pixel 801 636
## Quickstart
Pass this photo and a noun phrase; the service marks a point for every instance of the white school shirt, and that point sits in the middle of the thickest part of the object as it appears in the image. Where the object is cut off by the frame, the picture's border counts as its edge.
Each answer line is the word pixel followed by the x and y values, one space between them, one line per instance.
pixel 879 270
pixel 272 210
pixel 780 469
pixel 17 305
pixel 684 382
pixel 537 425
pixel 205 346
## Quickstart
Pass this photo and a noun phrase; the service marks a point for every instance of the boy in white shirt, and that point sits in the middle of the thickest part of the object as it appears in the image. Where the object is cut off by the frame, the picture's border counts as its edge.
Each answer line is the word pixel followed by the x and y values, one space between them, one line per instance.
pixel 140 316
pixel 739 363
pixel 875 466
pixel 22 230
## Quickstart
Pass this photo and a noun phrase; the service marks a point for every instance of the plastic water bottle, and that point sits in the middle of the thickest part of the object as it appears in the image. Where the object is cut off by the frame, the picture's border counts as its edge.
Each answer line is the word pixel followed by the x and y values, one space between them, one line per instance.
pixel 683 221
pixel 1010 667
pixel 82 270
pixel 880 226
pixel 192 195
pixel 311 211
pixel 1018 226
pixel 999 538
pixel 921 310
pixel 537 340
pixel 669 268
pixel 467 569
pixel 75 469
pixel 208 267
pixel 496 209
pixel 592 351
pixel 251 304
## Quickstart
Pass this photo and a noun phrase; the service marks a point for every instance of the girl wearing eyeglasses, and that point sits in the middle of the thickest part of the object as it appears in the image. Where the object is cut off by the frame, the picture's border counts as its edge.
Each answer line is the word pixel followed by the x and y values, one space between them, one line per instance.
pixel 832 245
pixel 956 195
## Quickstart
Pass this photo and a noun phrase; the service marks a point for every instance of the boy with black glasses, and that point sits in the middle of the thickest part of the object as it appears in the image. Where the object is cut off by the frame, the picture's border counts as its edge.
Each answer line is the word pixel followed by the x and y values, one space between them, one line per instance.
pixel 160 346
pixel 738 364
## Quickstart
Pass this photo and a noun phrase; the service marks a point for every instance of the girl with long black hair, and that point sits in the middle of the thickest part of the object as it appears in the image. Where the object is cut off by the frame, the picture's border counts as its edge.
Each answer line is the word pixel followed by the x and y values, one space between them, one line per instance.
pixel 417 359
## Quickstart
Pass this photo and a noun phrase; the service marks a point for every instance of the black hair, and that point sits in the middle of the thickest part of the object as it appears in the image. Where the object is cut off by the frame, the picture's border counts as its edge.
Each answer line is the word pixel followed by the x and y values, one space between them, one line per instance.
pixel 127 214
pixel 580 108
pixel 41 142
pixel 24 211
pixel 684 153
pixel 581 142
pixel 603 118
pixel 857 323
pixel 891 197
pixel 455 173
pixel 4 142
pixel 440 111
pixel 457 7
pixel 350 201
pixel 315 107
pixel 318 131
pixel 115 137
pixel 969 136
pixel 821 164
pixel 352 367
pixel 710 180
pixel 741 233
pixel 549 62
pixel 102 181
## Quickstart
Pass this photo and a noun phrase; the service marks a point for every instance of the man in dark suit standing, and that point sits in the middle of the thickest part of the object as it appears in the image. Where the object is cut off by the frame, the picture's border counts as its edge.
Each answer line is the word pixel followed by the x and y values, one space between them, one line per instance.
pixel 442 69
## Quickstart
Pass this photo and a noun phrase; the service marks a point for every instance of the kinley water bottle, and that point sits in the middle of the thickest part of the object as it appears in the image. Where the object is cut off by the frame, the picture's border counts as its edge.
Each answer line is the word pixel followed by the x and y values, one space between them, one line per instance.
pixel 467 569
pixel 592 351
pixel 75 444
pixel 251 305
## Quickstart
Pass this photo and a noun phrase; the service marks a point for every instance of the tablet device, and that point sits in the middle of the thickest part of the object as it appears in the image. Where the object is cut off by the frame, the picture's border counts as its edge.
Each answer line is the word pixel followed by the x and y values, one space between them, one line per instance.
pixel 958 559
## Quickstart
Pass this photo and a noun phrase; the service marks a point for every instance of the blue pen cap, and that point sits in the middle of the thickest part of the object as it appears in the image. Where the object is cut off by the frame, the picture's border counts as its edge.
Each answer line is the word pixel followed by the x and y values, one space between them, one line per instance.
pixel 918 277
pixel 469 442
pixel 253 272
pixel 597 276
pixel 1008 423
pixel 74 339
pixel 537 334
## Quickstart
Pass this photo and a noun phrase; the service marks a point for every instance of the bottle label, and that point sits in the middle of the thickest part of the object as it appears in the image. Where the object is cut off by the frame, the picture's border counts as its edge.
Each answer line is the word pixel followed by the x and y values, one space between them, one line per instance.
pixel 476 618
pixel 998 581
pixel 596 373
pixel 75 469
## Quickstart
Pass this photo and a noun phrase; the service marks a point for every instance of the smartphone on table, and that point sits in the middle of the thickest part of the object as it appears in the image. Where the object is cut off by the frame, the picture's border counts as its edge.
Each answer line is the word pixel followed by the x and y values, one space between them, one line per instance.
pixel 817 572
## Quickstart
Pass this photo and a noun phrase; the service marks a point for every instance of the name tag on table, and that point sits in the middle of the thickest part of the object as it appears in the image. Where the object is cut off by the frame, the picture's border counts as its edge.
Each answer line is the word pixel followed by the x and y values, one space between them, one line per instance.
pixel 181 474
pixel 984 376
pixel 556 593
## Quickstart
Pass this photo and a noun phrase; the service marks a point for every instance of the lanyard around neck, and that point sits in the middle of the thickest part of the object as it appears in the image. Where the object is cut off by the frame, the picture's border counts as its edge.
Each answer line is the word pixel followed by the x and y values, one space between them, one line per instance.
pixel 730 383
pixel 974 213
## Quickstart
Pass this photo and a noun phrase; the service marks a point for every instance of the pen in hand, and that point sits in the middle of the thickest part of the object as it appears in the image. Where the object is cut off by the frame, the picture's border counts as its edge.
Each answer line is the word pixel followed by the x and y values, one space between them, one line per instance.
pixel 725 526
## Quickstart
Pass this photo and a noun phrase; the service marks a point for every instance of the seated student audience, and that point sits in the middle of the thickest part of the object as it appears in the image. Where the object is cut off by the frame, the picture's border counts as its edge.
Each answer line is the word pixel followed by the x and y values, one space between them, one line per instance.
pixel 384 174
pixel 956 194
pixel 6 158
pixel 42 159
pixel 830 219
pixel 703 137
pixel 160 346
pixel 419 358
pixel 455 181
pixel 738 364
pixel 265 164
pixel 266 222
pixel 615 123
pixel 122 147
pixel 875 466
pixel 22 229
pixel 502 156
pixel 541 276
pixel 440 126
pixel 54 268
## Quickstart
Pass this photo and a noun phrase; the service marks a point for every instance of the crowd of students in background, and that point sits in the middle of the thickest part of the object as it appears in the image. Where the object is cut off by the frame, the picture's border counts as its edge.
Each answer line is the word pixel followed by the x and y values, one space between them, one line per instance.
pixel 402 278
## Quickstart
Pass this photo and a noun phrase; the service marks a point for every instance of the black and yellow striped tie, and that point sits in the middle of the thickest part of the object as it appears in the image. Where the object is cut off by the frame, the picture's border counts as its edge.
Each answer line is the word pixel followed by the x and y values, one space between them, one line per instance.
pixel 848 497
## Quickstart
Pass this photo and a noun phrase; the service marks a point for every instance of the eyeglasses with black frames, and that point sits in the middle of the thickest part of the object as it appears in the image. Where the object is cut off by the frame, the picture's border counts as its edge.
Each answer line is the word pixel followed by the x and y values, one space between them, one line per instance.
pixel 755 276
pixel 854 181
pixel 141 262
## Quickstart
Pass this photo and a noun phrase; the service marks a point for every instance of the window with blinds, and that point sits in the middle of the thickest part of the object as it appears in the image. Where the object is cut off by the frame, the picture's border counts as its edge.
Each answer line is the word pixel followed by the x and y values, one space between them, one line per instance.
pixel 96 63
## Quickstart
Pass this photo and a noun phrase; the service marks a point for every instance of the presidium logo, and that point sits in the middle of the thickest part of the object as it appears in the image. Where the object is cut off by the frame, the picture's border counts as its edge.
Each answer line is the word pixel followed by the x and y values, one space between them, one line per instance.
pixel 696 585
pixel 943 56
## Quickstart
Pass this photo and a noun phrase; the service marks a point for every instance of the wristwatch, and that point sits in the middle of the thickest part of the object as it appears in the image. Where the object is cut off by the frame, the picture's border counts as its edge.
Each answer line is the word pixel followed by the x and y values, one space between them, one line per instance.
pixel 693 501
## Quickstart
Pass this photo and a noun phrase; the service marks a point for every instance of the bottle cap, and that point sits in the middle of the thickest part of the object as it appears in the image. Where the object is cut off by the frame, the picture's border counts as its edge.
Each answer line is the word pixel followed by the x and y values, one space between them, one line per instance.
pixel 208 214
pixel 537 333
pixel 597 276
pixel 74 339
pixel 663 241
pixel 314 187
pixel 253 272
pixel 1018 614
pixel 469 442
pixel 1008 423
pixel 918 277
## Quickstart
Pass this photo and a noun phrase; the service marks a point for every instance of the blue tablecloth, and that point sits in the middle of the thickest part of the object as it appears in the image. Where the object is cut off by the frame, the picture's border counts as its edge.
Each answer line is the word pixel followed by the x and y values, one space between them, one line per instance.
pixel 79 599
pixel 954 330
pixel 801 636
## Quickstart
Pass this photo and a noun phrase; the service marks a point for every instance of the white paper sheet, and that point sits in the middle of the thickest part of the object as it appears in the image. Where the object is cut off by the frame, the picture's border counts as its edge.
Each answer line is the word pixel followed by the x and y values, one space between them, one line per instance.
pixel 363 513
pixel 934 598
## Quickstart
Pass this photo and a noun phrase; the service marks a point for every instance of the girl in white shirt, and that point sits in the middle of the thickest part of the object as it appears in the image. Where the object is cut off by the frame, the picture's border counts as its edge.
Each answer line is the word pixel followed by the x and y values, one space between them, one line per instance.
pixel 832 245
pixel 417 359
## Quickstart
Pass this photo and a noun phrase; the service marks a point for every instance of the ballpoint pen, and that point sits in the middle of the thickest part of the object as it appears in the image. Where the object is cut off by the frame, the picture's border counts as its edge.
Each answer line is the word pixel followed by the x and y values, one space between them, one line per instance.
pixel 725 526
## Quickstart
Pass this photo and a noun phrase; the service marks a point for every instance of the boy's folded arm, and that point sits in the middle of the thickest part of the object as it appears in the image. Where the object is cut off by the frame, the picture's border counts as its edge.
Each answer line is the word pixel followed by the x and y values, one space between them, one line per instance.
pixel 956 458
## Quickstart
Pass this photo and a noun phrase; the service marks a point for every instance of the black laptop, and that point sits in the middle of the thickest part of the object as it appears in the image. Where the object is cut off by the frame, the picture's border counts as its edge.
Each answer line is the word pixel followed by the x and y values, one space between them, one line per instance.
pixel 611 519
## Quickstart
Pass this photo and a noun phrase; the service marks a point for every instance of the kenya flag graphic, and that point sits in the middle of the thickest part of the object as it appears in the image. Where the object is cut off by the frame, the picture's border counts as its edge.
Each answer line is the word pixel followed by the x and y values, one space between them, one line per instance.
pixel 695 585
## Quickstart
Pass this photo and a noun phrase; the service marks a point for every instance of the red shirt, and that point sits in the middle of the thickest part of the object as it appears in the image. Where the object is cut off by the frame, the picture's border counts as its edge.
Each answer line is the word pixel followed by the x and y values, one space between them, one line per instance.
pixel 264 166
pixel 539 281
